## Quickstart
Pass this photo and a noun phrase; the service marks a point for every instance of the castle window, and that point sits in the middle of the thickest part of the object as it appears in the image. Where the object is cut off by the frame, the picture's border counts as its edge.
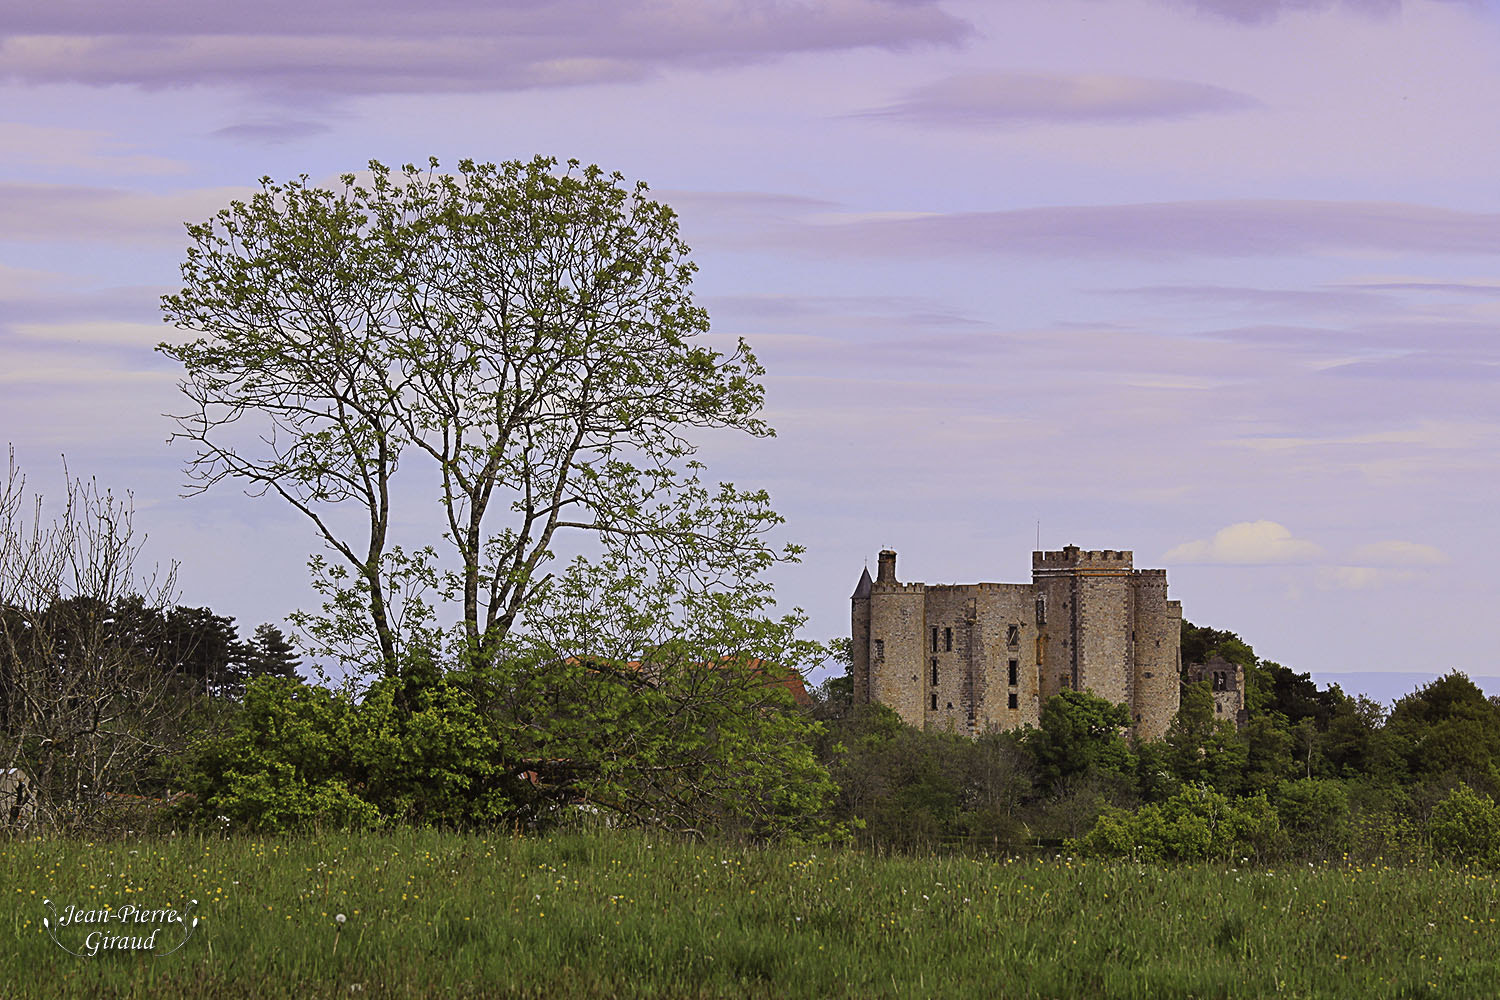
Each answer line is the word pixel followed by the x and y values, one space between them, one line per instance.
pixel 934 703
pixel 1221 680
pixel 1015 672
pixel 947 640
pixel 1218 708
pixel 879 649
pixel 1013 633
pixel 1014 702
pixel 934 638
pixel 950 706
pixel 934 673
pixel 1041 610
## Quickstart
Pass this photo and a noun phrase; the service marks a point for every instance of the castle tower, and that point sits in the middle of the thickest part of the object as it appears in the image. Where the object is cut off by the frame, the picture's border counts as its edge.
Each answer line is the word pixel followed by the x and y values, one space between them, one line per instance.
pixel 1088 602
pixel 1158 646
pixel 897 619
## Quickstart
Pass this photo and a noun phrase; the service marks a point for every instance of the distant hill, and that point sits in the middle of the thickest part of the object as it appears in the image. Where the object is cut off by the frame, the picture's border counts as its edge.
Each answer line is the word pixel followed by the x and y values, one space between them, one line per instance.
pixel 1387 687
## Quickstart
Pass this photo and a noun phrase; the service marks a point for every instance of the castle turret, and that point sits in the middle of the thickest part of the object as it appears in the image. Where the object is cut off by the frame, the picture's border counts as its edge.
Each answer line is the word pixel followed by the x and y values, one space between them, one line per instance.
pixel 1158 643
pixel 897 620
pixel 859 647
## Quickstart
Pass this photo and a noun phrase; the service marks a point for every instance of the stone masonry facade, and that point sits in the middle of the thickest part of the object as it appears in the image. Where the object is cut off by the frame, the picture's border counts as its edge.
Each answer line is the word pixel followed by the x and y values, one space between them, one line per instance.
pixel 980 656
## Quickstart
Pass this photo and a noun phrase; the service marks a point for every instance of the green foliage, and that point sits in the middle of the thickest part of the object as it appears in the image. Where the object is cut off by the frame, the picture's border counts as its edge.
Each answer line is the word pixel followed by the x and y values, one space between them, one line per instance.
pixel 1202 748
pixel 904 788
pixel 1081 734
pixel 284 763
pixel 1195 824
pixel 709 747
pixel 1466 826
pixel 1448 729
pixel 524 334
pixel 1315 816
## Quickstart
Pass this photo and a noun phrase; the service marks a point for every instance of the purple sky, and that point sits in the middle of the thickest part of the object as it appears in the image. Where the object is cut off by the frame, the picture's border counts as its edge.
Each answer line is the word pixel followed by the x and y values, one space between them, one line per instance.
pixel 1214 281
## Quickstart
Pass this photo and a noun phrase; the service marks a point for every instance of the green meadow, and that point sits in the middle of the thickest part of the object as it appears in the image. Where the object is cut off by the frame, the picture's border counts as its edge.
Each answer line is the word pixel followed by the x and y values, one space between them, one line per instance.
pixel 429 914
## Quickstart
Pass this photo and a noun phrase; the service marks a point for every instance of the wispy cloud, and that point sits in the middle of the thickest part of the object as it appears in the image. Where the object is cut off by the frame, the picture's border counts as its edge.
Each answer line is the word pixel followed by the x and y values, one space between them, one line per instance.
pixel 989 99
pixel 1262 11
pixel 80 212
pixel 1399 553
pixel 1241 228
pixel 388 46
pixel 57 146
pixel 1314 300
pixel 272 131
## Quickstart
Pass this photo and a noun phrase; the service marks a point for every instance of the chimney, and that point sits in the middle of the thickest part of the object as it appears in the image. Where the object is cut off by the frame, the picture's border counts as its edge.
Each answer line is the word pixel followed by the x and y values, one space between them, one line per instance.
pixel 887 573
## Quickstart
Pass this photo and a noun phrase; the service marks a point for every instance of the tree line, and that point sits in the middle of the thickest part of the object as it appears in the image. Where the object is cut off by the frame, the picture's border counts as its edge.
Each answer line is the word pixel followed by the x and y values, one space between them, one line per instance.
pixel 1314 772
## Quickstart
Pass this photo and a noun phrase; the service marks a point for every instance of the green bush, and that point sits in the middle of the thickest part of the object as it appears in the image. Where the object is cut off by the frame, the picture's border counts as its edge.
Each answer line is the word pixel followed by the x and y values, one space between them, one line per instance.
pixel 1466 826
pixel 1314 814
pixel 299 755
pixel 1194 824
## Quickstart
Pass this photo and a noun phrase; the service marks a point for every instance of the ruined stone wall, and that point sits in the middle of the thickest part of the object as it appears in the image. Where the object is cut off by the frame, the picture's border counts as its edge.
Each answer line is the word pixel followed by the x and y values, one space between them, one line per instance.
pixel 1158 631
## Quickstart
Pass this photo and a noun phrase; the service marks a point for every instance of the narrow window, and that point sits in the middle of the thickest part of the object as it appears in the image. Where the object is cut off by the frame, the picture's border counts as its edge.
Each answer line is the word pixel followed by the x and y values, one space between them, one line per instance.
pixel 947 640
pixel 1218 708
pixel 879 649
pixel 1013 635
pixel 934 638
pixel 934 673
pixel 1013 701
pixel 934 703
pixel 1015 672
pixel 1041 610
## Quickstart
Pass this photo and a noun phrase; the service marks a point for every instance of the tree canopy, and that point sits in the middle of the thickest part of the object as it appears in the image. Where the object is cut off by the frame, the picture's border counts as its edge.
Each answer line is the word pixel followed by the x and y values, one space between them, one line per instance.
pixel 526 332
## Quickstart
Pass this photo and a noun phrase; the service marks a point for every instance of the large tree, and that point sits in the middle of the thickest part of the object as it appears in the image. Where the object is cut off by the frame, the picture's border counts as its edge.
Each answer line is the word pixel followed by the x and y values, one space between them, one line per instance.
pixel 527 330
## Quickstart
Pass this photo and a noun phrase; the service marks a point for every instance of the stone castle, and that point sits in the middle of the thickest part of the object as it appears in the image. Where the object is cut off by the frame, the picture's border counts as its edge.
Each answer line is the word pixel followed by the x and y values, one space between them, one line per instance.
pixel 980 656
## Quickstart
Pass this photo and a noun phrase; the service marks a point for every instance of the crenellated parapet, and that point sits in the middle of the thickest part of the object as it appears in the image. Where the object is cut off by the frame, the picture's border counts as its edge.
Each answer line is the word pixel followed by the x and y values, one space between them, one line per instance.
pixel 1072 559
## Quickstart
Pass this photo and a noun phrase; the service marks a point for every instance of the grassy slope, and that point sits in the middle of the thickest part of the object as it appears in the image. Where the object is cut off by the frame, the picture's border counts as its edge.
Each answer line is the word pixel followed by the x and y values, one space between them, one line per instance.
pixel 442 915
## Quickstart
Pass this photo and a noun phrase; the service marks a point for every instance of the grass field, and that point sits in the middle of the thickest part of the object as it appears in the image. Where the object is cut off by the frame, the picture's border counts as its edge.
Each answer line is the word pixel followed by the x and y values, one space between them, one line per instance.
pixel 441 915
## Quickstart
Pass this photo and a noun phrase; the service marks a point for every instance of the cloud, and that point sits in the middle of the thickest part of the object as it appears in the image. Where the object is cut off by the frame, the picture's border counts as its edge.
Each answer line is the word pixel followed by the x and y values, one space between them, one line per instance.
pixel 1360 577
pixel 344 47
pixel 54 146
pixel 1263 11
pixel 1398 553
pixel 74 212
pixel 987 99
pixel 1317 300
pixel 1242 228
pixel 100 333
pixel 272 131
pixel 1247 543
